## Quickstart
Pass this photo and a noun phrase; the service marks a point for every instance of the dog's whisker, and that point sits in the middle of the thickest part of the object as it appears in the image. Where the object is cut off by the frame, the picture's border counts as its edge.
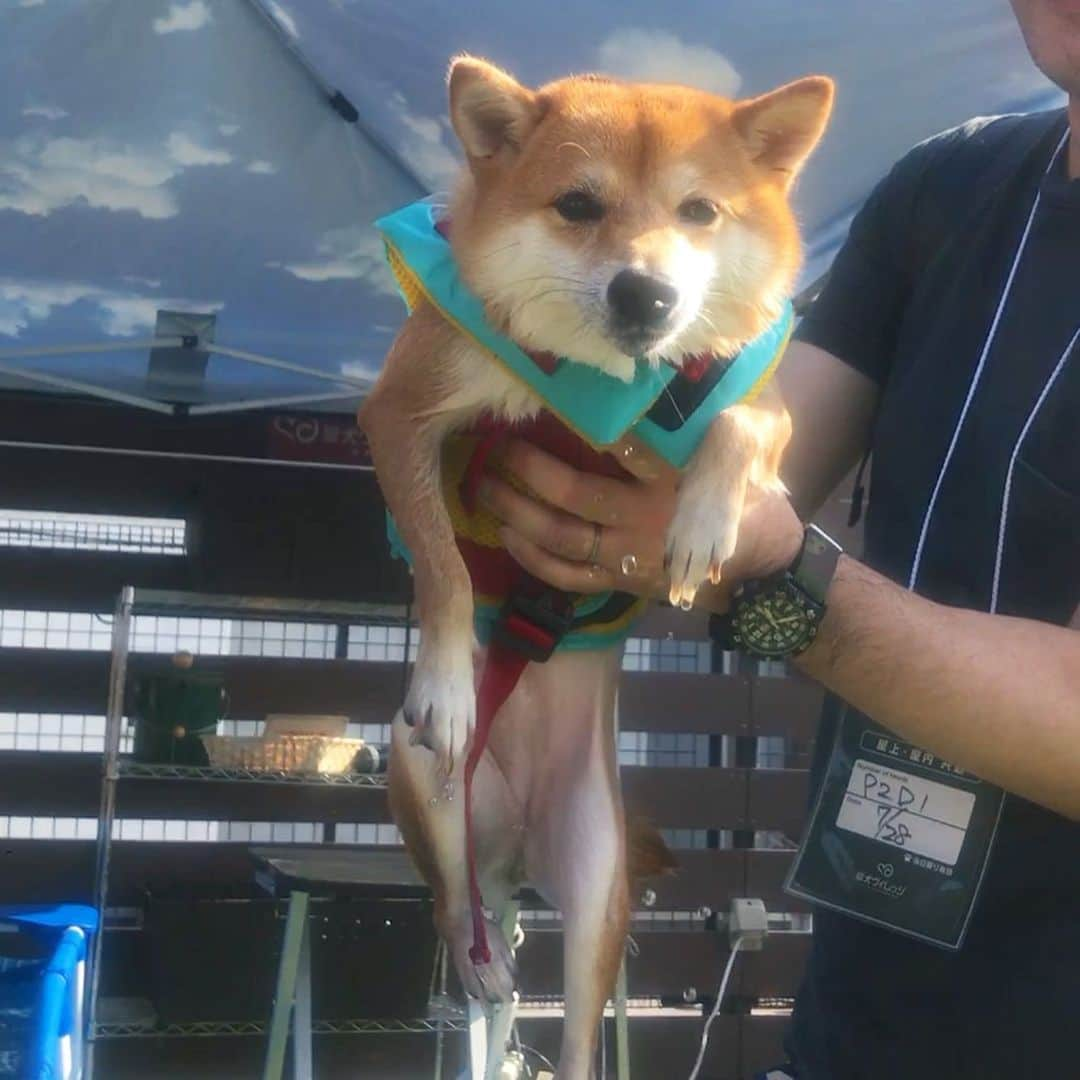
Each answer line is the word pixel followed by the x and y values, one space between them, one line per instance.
pixel 581 329
pixel 505 247
pixel 536 298
pixel 522 305
pixel 547 277
pixel 574 146
pixel 655 374
pixel 708 322
pixel 731 298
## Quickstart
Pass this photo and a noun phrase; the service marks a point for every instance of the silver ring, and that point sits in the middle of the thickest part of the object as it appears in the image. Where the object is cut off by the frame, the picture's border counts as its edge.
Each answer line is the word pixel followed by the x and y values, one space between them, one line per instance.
pixel 595 549
pixel 628 565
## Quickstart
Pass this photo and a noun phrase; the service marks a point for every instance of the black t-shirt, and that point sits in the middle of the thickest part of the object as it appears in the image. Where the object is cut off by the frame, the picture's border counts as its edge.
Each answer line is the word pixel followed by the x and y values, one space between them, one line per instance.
pixel 994 432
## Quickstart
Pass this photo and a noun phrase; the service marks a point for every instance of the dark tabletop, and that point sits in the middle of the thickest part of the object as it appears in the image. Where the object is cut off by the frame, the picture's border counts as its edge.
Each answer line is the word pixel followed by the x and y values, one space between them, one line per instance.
pixel 369 871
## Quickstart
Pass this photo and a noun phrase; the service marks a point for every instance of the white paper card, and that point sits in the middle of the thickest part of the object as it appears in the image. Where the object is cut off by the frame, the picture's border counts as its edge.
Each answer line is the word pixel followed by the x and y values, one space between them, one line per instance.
pixel 906 811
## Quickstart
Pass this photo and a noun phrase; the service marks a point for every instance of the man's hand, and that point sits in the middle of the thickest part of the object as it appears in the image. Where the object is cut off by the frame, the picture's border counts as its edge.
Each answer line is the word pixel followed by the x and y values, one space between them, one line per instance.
pixel 585 533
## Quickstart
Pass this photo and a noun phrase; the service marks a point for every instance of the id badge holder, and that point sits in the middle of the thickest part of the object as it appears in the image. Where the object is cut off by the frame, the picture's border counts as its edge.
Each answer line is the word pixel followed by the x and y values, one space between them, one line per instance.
pixel 898 837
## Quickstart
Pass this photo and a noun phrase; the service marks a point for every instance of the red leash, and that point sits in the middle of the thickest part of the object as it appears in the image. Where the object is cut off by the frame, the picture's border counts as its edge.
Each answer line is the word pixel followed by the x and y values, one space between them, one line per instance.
pixel 528 630
pixel 502 669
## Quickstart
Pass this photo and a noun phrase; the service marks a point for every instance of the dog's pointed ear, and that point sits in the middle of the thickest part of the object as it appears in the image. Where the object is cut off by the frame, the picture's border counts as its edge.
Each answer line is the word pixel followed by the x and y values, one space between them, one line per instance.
pixel 490 110
pixel 782 127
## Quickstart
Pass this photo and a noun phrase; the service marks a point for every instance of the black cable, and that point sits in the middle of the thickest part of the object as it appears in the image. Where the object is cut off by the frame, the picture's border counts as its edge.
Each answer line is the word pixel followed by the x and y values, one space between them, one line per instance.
pixel 408 648
pixel 536 1053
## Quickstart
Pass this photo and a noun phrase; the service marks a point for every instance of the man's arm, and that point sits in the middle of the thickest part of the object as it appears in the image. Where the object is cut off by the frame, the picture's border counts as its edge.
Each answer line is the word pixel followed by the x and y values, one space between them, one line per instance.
pixel 832 408
pixel 997 696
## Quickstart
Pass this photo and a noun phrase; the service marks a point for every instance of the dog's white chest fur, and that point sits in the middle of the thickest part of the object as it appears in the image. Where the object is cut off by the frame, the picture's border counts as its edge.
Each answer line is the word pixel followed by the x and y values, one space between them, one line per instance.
pixel 482 385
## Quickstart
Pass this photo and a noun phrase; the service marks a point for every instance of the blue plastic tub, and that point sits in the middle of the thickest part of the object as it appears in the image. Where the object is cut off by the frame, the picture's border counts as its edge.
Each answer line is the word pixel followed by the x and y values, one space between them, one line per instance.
pixel 41 997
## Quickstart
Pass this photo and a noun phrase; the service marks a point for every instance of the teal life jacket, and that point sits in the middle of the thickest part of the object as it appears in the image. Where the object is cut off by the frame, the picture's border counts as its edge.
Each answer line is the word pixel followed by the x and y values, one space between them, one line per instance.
pixel 663 409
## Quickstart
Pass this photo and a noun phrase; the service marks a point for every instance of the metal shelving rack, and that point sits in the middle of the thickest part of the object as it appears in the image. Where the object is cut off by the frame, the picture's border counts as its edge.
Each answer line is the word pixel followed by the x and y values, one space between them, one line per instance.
pixel 218 1028
pixel 139 771
pixel 137 601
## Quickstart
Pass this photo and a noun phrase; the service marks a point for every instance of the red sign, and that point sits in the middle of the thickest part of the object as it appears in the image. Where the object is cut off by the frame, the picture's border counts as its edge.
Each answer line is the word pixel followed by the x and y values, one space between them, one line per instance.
pixel 329 439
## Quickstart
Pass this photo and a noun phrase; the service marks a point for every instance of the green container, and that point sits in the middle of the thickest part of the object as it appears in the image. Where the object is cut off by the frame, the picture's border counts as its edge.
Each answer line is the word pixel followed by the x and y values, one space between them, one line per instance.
pixel 172 712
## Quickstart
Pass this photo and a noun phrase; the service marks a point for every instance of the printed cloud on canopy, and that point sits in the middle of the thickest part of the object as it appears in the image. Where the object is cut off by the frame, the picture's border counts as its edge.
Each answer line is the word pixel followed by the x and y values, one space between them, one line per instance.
pixel 183 17
pixel 119 314
pixel 39 175
pixel 660 56
pixel 353 252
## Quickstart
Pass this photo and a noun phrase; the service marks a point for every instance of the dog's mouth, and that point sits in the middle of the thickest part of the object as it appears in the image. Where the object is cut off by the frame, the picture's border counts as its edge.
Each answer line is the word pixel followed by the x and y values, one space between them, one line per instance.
pixel 638 344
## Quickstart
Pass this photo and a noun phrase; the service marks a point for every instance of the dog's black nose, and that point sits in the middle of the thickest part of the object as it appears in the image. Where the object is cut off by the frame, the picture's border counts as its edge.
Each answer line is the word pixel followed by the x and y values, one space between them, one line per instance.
pixel 640 302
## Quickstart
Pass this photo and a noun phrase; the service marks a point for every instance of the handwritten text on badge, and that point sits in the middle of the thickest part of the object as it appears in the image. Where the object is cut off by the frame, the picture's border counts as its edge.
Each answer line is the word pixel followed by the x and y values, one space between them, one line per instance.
pixel 906 812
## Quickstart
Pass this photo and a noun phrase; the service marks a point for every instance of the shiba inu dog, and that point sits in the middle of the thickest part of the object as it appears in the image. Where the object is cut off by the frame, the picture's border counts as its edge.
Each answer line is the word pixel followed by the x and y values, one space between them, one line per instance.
pixel 636 230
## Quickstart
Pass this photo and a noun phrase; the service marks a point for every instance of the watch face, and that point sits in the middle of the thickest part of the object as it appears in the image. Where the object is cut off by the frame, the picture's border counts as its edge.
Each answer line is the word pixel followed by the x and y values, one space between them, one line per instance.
pixel 775 623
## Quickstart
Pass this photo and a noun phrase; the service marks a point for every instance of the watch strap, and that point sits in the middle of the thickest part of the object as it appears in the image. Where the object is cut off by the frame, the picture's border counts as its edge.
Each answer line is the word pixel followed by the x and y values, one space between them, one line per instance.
pixel 815 565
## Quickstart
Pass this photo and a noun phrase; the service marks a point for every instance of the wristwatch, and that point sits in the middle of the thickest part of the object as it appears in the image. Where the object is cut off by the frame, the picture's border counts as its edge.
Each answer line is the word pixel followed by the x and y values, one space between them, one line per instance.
pixel 778 616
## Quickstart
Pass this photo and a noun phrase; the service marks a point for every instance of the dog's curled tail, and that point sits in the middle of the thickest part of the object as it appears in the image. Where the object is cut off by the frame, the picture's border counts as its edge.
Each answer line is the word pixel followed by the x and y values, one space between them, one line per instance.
pixel 647 855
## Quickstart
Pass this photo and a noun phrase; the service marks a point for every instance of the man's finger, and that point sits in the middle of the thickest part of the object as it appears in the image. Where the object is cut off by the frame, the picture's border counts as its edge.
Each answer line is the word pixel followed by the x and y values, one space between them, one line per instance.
pixel 595 498
pixel 571 538
pixel 561 534
pixel 574 577
pixel 640 461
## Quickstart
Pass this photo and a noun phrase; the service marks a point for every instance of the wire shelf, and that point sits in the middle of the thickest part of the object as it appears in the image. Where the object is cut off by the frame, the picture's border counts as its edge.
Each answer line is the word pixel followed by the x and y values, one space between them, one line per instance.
pixel 137 770
pixel 386 1027
pixel 216 1028
pixel 93 532
pixel 167 602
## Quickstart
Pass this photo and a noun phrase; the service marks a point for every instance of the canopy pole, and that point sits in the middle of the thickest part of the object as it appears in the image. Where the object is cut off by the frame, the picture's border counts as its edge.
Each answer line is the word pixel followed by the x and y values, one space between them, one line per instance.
pixel 267 403
pixel 178 455
pixel 286 365
pixel 62 383
pixel 23 353
pixel 349 386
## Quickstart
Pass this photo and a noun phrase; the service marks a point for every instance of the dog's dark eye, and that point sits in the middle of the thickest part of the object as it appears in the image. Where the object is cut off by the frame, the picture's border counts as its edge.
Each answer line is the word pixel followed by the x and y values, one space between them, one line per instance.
pixel 699 212
pixel 579 206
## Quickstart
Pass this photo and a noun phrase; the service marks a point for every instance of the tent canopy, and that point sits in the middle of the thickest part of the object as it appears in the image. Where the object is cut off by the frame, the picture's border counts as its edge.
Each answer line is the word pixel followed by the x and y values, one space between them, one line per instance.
pixel 187 186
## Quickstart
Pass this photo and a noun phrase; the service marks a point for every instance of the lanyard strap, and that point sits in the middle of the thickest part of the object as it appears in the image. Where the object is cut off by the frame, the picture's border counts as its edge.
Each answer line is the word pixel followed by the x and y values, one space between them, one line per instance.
pixel 991 336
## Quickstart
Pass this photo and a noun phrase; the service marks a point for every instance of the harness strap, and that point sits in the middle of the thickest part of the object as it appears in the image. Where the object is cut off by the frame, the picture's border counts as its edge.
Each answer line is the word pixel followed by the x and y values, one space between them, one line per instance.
pixel 474 471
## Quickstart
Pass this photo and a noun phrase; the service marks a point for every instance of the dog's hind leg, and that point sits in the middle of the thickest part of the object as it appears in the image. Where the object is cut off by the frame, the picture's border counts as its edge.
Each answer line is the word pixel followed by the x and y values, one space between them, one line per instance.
pixel 576 850
pixel 595 917
pixel 433 829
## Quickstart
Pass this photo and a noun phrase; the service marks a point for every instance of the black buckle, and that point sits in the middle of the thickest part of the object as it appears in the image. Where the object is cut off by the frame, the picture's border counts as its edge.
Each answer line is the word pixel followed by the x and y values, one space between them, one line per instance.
pixel 533 623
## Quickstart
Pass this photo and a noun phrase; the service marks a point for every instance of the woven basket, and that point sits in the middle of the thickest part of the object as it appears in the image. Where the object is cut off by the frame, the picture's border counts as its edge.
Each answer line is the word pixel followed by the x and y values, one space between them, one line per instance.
pixel 283 753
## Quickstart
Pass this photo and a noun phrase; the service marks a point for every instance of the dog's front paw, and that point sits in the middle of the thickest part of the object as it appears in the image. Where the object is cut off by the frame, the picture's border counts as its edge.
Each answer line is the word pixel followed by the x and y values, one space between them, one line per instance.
pixel 441 703
pixel 701 538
